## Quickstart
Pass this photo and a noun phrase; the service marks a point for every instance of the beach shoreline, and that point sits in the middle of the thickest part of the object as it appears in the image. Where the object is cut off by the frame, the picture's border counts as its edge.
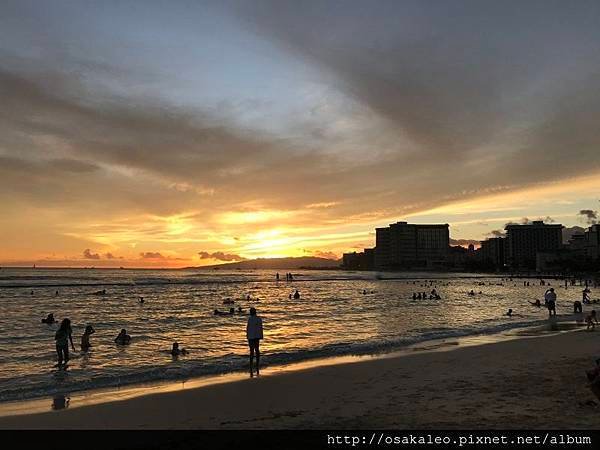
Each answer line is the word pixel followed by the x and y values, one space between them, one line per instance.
pixel 95 396
pixel 431 385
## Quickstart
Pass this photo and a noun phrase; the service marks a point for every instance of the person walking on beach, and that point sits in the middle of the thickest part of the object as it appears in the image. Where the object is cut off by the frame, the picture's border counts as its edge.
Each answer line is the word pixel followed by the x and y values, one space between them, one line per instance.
pixel 254 333
pixel 63 336
pixel 550 298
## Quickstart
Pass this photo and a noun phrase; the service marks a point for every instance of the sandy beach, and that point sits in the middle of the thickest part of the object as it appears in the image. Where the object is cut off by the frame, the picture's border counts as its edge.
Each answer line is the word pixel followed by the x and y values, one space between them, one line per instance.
pixel 534 382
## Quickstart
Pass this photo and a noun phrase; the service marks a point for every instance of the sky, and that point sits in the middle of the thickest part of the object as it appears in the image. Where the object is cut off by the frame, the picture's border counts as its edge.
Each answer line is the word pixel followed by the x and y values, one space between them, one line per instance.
pixel 187 133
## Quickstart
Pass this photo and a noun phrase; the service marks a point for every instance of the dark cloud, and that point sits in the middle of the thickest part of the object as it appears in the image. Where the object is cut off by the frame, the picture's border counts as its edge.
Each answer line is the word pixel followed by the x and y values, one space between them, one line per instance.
pixel 151 255
pixel 221 256
pixel 589 216
pixel 497 90
pixel 465 99
pixel 326 255
pixel 87 254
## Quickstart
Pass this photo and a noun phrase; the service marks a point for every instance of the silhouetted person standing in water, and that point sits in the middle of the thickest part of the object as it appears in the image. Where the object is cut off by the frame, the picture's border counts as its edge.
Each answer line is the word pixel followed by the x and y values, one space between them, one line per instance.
pixel 550 297
pixel 85 338
pixel 254 333
pixel 63 336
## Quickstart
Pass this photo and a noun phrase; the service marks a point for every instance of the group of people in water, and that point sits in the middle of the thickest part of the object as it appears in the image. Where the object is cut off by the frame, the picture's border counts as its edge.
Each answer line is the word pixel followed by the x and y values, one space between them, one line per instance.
pixel 288 276
pixel 231 312
pixel 433 295
pixel 64 337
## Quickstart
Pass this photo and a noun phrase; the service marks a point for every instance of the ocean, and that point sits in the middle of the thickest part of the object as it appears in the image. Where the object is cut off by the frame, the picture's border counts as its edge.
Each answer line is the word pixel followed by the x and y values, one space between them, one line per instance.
pixel 339 313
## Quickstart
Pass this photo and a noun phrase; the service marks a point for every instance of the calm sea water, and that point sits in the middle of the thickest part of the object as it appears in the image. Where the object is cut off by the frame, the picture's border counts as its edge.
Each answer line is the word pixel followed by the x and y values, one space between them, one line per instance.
pixel 334 316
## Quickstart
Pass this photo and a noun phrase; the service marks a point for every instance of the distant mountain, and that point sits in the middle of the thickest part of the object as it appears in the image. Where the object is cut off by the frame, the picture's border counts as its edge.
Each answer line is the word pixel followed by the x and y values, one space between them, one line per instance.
pixel 301 262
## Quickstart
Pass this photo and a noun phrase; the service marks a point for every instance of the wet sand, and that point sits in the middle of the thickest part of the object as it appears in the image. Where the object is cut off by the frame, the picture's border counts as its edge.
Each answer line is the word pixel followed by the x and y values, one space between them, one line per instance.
pixel 534 382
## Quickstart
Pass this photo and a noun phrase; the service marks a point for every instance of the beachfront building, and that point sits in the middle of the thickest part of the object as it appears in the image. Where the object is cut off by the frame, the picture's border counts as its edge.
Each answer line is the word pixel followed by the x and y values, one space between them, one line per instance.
pixel 592 241
pixel 586 244
pixel 364 260
pixel 491 252
pixel 403 246
pixel 351 261
pixel 524 242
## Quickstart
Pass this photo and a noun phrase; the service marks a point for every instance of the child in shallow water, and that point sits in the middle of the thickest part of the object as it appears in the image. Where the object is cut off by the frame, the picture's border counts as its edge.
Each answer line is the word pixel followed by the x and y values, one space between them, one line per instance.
pixel 85 338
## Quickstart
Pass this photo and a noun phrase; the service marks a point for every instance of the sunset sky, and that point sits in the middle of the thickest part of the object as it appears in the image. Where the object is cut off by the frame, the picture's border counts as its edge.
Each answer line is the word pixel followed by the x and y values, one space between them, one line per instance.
pixel 178 133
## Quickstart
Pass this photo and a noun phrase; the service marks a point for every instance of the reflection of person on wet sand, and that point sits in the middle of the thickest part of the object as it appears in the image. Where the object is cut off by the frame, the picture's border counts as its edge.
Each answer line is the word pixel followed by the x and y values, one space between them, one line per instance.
pixel 60 402
pixel 591 320
pixel 594 379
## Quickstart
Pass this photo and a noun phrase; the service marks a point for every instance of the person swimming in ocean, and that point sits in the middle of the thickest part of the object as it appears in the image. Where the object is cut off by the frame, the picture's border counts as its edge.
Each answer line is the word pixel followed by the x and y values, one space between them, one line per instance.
pixel 228 301
pixel 85 338
pixel 296 295
pixel 509 313
pixel 240 310
pixel 536 303
pixel 123 338
pixel 141 300
pixel 49 319
pixel 176 351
